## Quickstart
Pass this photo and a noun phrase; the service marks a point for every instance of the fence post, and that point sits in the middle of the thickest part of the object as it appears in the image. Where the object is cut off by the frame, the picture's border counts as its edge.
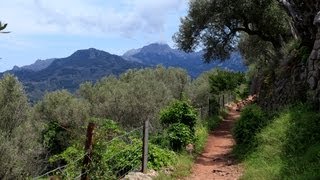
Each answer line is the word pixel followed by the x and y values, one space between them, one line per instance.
pixel 145 146
pixel 222 100
pixel 88 150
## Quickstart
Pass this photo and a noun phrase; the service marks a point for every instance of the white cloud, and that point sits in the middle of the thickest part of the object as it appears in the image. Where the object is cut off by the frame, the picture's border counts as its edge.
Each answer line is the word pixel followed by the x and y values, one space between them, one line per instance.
pixel 95 17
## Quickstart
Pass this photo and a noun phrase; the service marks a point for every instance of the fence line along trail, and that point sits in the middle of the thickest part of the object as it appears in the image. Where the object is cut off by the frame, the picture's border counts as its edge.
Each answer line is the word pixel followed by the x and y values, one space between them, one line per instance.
pixel 216 161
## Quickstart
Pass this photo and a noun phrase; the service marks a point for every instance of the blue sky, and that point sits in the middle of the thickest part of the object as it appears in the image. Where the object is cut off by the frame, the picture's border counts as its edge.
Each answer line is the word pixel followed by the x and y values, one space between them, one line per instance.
pixel 42 29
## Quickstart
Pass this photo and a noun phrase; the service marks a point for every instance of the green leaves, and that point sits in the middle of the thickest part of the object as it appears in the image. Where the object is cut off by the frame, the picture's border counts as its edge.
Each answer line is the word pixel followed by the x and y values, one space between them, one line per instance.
pixel 13 104
pixel 221 81
pixel 2 27
pixel 180 119
pixel 215 25
pixel 252 120
pixel 179 112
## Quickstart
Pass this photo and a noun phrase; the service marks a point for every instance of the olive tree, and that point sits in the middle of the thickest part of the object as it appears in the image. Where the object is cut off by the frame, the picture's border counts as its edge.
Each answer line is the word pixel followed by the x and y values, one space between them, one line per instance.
pixel 19 136
pixel 216 25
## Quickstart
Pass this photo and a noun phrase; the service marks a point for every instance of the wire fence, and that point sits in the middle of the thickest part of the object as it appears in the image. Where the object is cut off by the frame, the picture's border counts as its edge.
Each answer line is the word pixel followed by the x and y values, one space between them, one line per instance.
pixel 110 159
pixel 59 170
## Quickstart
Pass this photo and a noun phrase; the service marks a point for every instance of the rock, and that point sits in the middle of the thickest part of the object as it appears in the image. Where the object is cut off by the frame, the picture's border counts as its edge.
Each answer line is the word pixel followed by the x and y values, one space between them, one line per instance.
pixel 316 20
pixel 190 148
pixel 168 170
pixel 152 173
pixel 318 57
pixel 316 73
pixel 312 83
pixel 318 35
pixel 229 163
pixel 311 64
pixel 314 54
pixel 137 176
pixel 316 45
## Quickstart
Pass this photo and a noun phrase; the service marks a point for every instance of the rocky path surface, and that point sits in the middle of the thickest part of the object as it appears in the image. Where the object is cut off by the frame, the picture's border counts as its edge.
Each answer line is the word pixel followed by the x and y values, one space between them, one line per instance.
pixel 216 161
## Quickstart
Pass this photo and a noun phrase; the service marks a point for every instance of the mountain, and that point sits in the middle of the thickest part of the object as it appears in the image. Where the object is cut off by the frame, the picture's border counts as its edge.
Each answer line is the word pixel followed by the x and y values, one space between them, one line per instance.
pixel 92 64
pixel 37 66
pixel 68 73
pixel 158 53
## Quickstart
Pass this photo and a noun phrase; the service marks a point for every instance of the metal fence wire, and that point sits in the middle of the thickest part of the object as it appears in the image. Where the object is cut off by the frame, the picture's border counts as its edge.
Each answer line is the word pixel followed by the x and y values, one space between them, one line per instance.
pixel 112 159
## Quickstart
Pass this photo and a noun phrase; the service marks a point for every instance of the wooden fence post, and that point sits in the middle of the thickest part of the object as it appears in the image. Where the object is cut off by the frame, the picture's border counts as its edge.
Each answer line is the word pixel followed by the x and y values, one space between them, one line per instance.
pixel 145 146
pixel 88 149
pixel 223 101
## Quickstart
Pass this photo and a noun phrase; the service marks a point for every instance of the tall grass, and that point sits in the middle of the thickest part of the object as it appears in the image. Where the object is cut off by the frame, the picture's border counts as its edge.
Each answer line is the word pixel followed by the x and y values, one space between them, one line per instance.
pixel 287 148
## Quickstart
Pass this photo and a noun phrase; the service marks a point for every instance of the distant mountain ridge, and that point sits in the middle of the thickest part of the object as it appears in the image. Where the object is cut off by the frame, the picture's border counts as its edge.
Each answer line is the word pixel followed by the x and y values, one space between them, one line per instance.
pixel 37 66
pixel 92 64
pixel 158 53
pixel 68 73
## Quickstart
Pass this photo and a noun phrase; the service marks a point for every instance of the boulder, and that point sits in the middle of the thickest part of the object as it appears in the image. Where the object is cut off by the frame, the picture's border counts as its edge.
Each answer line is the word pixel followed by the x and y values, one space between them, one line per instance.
pixel 137 176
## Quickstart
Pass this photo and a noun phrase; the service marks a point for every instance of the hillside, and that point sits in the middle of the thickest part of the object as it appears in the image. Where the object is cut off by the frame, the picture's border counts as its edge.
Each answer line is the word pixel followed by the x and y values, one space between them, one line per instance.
pixel 92 64
pixel 156 53
pixel 68 73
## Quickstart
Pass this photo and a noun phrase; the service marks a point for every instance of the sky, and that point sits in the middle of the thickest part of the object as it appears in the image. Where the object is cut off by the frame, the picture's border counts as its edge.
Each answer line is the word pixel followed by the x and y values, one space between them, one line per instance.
pixel 43 29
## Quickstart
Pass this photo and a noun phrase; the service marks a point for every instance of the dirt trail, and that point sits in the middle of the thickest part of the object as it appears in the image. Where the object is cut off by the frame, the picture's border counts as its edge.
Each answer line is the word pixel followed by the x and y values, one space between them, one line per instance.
pixel 216 161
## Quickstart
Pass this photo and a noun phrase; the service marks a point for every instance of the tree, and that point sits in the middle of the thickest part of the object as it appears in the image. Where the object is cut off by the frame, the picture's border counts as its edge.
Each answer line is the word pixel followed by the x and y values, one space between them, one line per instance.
pixel 215 25
pixel 13 104
pixel 2 27
pixel 136 95
pixel 64 117
pixel 19 145
pixel 222 81
pixel 302 13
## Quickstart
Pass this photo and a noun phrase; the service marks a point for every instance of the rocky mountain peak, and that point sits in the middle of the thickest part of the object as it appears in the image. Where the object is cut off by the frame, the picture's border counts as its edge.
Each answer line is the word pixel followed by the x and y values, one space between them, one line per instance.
pixel 90 53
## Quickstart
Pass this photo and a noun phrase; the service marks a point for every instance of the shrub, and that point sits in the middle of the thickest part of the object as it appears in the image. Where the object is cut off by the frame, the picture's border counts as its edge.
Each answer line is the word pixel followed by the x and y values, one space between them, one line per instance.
pixel 252 120
pixel 179 112
pixel 114 153
pixel 179 136
pixel 288 147
pixel 160 157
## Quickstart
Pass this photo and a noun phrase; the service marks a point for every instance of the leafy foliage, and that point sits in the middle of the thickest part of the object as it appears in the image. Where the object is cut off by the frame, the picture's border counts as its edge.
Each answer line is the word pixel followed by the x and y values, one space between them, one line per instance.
pixel 136 95
pixel 287 148
pixel 19 142
pixel 2 27
pixel 113 156
pixel 64 117
pixel 221 81
pixel 179 112
pixel 179 136
pixel 216 25
pixel 252 120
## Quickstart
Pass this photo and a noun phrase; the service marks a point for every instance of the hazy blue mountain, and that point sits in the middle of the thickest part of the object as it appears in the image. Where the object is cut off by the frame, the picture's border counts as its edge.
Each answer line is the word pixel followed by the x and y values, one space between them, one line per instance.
pixel 68 73
pixel 158 53
pixel 92 64
pixel 37 66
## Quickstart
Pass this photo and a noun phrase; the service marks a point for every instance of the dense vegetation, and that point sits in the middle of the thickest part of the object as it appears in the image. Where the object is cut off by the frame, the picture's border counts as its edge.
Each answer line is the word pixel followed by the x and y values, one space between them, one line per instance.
pixel 92 65
pixel 279 40
pixel 51 133
pixel 283 146
pixel 277 138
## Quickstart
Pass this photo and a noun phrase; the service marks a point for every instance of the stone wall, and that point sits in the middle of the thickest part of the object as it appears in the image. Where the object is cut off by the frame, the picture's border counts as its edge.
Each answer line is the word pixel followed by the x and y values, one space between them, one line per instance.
pixel 314 67
pixel 294 80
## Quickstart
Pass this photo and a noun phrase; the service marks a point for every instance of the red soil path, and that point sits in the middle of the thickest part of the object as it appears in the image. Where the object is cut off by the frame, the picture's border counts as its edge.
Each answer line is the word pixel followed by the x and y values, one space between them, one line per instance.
pixel 216 161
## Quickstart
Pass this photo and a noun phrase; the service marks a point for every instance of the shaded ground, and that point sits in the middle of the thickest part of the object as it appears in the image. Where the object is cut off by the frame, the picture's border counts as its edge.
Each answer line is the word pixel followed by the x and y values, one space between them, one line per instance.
pixel 216 161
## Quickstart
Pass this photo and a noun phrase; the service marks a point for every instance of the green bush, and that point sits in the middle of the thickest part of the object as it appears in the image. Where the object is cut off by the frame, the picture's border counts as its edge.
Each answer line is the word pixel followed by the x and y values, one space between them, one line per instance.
pixel 179 136
pixel 160 157
pixel 252 120
pixel 114 153
pixel 179 112
pixel 287 148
